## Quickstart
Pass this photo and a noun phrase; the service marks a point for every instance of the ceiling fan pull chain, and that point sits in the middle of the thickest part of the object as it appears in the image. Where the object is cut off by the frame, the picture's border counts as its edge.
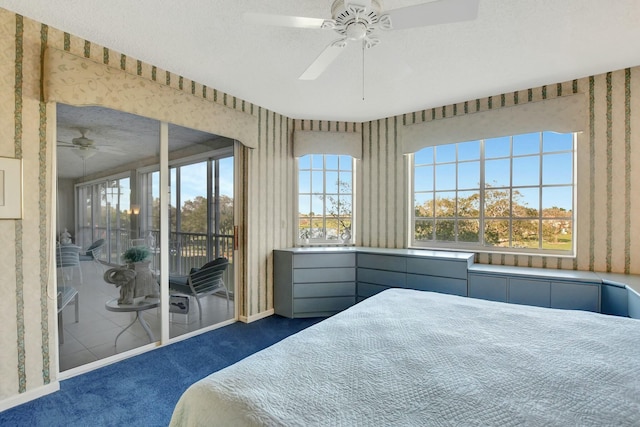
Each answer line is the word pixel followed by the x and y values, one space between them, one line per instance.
pixel 363 49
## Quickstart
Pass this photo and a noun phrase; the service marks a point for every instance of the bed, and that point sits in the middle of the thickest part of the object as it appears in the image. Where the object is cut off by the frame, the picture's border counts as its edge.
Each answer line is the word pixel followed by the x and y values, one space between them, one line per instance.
pixel 406 357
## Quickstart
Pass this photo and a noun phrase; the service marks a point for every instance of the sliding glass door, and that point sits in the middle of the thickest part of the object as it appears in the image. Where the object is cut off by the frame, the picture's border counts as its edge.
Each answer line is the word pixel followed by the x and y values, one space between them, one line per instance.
pixel 201 231
pixel 109 194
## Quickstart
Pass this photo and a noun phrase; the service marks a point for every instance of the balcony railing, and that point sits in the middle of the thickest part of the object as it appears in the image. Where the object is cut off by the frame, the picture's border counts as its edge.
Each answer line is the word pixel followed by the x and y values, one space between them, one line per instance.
pixel 189 250
pixel 186 250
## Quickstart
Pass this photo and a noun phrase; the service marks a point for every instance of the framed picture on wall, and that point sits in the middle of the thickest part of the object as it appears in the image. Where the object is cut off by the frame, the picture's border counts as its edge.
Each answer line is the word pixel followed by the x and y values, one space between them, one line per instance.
pixel 10 188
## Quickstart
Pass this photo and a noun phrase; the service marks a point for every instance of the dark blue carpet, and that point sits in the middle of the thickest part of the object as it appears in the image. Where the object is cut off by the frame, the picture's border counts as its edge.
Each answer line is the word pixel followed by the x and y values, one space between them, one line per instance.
pixel 143 390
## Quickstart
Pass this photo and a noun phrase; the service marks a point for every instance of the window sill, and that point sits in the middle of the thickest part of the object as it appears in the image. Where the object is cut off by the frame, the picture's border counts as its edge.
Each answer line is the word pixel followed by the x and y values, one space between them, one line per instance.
pixel 323 244
pixel 494 252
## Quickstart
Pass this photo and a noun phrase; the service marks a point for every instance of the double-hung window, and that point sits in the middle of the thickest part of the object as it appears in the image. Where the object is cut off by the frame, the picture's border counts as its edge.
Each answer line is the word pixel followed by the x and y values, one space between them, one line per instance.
pixel 512 194
pixel 325 198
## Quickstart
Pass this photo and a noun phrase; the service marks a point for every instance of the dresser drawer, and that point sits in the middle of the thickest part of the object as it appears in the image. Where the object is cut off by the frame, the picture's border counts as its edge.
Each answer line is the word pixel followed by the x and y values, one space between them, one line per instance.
pixel 306 290
pixel 324 260
pixel 381 277
pixel 530 292
pixel 575 296
pixel 492 288
pixel 322 305
pixel 324 275
pixel 443 285
pixel 365 290
pixel 437 267
pixel 382 262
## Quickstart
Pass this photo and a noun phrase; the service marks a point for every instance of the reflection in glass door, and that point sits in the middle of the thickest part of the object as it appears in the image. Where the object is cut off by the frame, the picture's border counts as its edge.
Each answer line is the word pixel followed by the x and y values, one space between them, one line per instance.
pixel 201 241
pixel 99 209
pixel 108 210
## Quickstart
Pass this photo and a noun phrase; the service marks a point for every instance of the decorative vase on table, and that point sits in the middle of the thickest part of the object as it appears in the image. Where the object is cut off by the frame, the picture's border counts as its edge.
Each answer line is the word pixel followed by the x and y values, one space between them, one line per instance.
pixel 346 235
pixel 65 237
pixel 123 278
pixel 135 280
pixel 146 284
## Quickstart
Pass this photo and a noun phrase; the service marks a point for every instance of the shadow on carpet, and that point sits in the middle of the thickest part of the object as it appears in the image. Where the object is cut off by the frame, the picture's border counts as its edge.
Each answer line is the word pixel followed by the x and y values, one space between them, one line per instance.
pixel 144 389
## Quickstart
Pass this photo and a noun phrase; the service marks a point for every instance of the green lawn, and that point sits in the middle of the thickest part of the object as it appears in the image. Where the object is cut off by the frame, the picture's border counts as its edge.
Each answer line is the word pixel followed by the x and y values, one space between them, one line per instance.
pixel 565 242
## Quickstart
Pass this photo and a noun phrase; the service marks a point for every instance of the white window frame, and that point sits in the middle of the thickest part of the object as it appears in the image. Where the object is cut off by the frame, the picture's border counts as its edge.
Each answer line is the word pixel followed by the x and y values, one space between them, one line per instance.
pixel 480 246
pixel 342 239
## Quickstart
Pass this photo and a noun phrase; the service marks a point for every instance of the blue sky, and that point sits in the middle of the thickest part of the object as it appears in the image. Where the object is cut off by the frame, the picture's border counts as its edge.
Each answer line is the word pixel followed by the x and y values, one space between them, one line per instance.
pixel 193 180
pixel 553 154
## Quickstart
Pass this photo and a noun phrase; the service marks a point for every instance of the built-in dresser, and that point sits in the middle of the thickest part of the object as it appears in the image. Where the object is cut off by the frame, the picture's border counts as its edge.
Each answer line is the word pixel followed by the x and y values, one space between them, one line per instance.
pixel 436 271
pixel 313 282
pixel 322 281
pixel 310 282
pixel 570 289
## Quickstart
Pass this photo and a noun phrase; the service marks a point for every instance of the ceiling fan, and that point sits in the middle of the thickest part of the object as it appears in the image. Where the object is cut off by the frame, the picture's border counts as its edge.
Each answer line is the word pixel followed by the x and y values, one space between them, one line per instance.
pixel 360 21
pixel 84 147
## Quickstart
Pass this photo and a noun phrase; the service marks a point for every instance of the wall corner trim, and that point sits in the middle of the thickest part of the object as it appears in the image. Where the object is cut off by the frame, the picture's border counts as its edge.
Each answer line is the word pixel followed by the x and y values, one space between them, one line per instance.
pixel 259 316
pixel 30 395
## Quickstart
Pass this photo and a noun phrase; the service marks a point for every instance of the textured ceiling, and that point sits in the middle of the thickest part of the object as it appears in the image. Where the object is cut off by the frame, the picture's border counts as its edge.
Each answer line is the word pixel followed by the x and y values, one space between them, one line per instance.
pixel 512 45
pixel 122 141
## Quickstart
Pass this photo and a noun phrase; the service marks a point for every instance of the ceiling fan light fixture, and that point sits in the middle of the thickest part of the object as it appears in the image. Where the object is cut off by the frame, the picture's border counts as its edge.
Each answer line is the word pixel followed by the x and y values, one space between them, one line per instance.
pixel 85 153
pixel 356 31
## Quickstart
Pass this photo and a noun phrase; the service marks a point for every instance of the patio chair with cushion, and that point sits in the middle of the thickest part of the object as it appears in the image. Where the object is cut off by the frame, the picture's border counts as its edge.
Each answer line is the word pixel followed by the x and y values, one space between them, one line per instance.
pixel 200 282
pixel 67 259
pixel 93 253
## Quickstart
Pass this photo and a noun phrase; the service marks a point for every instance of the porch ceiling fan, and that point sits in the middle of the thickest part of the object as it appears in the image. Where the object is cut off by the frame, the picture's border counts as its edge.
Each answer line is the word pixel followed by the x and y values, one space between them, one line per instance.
pixel 361 21
pixel 84 147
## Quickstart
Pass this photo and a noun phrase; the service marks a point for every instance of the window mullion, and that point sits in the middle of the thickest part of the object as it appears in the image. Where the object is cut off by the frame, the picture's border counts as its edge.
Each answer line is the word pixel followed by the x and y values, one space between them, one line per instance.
pixel 433 194
pixel 481 219
pixel 540 184
pixel 455 205
pixel 510 220
pixel 324 197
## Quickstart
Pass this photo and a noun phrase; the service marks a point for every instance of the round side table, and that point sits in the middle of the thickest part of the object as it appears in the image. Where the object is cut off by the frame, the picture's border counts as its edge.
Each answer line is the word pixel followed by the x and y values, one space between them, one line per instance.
pixel 137 307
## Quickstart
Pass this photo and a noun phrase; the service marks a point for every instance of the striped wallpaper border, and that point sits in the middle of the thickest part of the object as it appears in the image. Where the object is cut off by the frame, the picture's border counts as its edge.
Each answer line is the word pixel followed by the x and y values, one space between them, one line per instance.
pixel 19 81
pixel 42 222
pixel 258 229
pixel 609 147
pixel 627 170
pixel 592 173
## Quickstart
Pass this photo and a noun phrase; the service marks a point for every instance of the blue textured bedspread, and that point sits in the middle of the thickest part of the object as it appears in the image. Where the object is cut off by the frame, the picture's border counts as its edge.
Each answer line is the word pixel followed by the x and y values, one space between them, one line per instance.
pixel 407 357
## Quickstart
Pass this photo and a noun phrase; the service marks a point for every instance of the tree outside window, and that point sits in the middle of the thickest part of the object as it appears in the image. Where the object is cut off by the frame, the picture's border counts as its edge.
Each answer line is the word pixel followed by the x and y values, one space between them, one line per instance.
pixel 509 193
pixel 325 198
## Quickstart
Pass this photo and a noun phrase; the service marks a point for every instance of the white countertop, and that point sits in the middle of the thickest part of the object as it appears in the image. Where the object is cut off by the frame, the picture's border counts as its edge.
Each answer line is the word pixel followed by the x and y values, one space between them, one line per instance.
pixel 461 256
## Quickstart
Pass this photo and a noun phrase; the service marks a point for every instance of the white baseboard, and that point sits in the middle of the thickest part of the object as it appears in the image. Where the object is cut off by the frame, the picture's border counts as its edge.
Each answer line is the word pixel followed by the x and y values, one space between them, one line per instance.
pixel 255 317
pixel 28 396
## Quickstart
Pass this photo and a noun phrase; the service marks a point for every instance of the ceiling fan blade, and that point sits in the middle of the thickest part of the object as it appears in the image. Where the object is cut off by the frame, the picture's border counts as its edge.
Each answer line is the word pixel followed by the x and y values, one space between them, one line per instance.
pixel 328 55
pixel 433 13
pixel 283 20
